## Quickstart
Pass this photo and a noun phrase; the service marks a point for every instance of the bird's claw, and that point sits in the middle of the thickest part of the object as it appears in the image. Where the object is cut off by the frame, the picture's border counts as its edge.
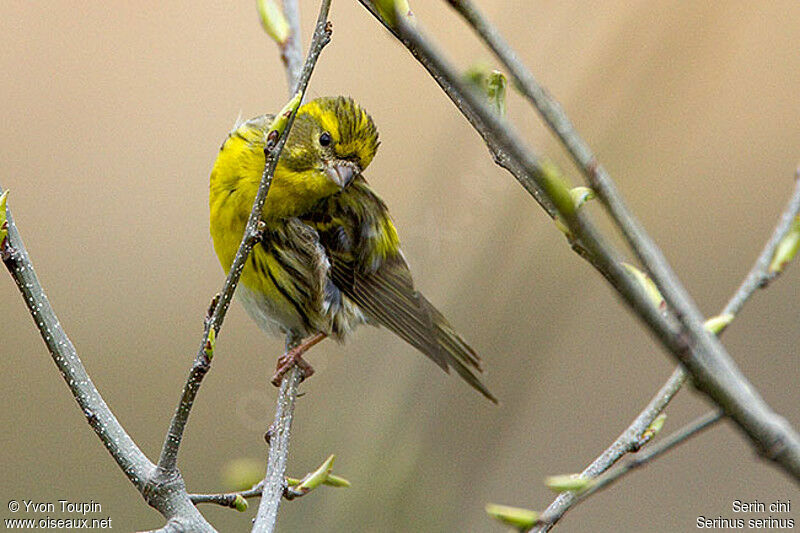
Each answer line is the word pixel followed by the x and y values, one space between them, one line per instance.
pixel 287 361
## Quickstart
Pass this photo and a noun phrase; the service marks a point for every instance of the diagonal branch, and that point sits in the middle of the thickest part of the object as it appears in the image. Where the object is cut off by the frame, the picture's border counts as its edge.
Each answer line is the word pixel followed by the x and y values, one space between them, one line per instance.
pixel 129 457
pixel 170 498
pixel 678 437
pixel 455 92
pixel 548 108
pixel 713 370
pixel 760 275
pixel 629 441
pixel 292 51
pixel 161 485
pixel 281 428
pixel 705 358
pixel 169 452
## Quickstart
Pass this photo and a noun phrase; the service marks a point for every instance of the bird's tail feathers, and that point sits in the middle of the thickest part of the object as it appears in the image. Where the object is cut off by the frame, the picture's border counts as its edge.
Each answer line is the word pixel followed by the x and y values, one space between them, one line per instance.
pixel 454 351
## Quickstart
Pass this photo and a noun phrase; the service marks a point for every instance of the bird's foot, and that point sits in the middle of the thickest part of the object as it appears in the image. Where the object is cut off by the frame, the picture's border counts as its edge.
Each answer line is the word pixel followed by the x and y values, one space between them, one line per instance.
pixel 295 357
pixel 286 362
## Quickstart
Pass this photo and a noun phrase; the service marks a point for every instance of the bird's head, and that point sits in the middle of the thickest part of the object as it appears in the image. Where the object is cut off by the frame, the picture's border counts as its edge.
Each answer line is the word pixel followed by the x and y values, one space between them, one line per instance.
pixel 332 138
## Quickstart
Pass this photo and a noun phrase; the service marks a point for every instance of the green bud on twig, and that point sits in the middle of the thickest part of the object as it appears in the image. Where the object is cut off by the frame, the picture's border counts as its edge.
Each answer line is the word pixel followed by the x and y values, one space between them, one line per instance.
pixel 3 217
pixel 581 195
pixel 716 324
pixel 336 481
pixel 332 481
pixel 557 189
pixel 476 75
pixel 648 285
pixel 321 476
pixel 389 9
pixel 316 478
pixel 653 429
pixel 522 519
pixel 496 91
pixel 568 482
pixel 273 21
pixel 562 227
pixel 211 343
pixel 786 249
pixel 280 121
pixel 491 84
pixel 239 503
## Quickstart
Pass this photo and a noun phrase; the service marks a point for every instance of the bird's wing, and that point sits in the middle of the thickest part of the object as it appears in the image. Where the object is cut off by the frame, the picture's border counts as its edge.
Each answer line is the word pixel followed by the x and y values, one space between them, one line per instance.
pixel 291 258
pixel 368 267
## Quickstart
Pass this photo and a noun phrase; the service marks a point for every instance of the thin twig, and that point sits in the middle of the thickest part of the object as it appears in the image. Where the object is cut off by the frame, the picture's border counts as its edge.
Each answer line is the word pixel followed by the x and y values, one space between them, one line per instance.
pixel 504 144
pixel 628 441
pixel 293 488
pixel 760 276
pixel 169 452
pixel 227 499
pixel 549 109
pixel 713 370
pixel 170 497
pixel 201 365
pixel 513 154
pixel 559 122
pixel 598 252
pixel 161 485
pixel 711 367
pixel 454 92
pixel 280 434
pixel 678 437
pixel 287 395
pixel 292 50
pixel 119 444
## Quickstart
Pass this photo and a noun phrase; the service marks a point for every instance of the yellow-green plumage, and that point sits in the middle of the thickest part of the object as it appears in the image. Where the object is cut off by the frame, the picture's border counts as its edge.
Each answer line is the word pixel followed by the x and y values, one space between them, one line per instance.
pixel 330 257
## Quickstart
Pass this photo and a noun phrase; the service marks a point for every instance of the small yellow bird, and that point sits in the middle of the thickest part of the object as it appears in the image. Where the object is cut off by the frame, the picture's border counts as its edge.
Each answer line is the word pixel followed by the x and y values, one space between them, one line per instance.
pixel 330 256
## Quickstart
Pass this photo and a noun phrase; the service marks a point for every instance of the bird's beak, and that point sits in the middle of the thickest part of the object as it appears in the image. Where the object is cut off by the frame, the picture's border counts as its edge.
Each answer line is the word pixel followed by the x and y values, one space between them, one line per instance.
pixel 342 174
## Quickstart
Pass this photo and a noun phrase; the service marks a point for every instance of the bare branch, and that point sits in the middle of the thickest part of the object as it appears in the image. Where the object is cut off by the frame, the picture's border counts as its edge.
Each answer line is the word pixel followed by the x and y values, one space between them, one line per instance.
pixel 710 365
pixel 713 370
pixel 281 428
pixel 279 435
pixel 119 444
pixel 161 485
pixel 292 50
pixel 654 451
pixel 170 497
pixel 760 276
pixel 169 452
pixel 455 92
pixel 228 499
pixel 627 442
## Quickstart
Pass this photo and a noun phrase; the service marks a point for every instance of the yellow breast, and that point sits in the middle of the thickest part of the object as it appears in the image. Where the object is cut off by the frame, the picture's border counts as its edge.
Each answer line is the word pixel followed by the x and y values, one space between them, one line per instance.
pixel 234 183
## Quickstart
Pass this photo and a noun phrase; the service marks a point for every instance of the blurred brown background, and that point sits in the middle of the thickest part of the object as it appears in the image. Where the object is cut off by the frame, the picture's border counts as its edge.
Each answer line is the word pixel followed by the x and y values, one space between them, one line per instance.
pixel 112 117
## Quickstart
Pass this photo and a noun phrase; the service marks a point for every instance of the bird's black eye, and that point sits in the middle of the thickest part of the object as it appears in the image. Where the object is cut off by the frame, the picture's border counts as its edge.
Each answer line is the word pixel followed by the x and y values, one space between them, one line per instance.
pixel 325 139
